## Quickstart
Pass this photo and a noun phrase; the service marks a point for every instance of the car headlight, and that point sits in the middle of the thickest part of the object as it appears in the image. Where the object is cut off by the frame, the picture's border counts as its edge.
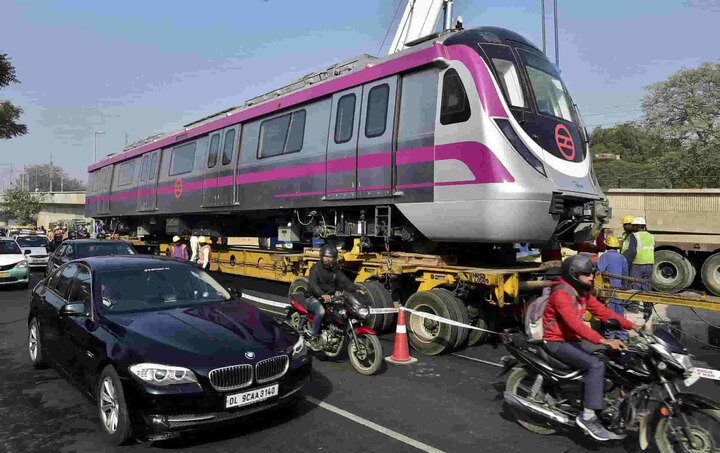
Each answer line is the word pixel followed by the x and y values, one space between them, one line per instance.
pixel 299 349
pixel 163 374
pixel 364 312
pixel 22 264
pixel 684 360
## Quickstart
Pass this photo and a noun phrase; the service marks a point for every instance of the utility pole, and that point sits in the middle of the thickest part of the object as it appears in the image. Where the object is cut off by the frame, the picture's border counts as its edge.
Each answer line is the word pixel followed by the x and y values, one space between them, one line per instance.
pixel 51 173
pixel 557 38
pixel 544 40
pixel 62 178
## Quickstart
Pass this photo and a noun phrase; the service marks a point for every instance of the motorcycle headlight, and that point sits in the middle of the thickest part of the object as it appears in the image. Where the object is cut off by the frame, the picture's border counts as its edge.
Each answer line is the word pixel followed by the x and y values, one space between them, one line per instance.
pixel 684 360
pixel 163 374
pixel 364 312
pixel 22 264
pixel 299 349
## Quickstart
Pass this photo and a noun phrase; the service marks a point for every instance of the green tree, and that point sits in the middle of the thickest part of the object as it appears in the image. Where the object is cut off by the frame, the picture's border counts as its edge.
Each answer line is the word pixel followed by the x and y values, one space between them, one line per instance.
pixel 686 106
pixel 38 177
pixel 20 205
pixel 9 114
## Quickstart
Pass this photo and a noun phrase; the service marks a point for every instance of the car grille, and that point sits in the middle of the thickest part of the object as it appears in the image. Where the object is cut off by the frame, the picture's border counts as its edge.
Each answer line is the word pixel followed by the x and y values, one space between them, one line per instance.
pixel 7 267
pixel 272 368
pixel 38 256
pixel 231 377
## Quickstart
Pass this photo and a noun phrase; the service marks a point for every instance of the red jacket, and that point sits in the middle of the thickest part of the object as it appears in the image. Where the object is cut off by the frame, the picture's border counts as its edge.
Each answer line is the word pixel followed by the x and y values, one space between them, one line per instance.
pixel 569 325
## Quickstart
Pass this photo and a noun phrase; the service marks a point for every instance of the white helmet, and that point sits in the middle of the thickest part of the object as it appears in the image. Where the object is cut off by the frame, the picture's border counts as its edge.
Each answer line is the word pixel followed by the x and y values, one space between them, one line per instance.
pixel 638 221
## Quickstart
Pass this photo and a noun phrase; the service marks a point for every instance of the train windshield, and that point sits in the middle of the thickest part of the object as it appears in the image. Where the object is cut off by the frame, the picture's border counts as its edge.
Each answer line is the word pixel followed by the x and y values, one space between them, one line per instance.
pixel 550 94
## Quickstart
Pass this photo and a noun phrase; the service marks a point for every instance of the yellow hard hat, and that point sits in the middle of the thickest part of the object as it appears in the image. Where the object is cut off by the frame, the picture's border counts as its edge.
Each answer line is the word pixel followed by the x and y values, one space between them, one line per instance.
pixel 176 238
pixel 202 239
pixel 628 219
pixel 612 242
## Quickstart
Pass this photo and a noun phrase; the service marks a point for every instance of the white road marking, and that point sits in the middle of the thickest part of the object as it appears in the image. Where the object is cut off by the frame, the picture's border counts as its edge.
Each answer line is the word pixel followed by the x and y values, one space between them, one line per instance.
pixel 260 300
pixel 388 432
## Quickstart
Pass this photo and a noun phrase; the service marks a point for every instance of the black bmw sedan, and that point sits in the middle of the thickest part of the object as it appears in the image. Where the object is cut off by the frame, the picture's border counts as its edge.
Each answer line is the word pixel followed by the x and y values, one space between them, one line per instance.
pixel 161 346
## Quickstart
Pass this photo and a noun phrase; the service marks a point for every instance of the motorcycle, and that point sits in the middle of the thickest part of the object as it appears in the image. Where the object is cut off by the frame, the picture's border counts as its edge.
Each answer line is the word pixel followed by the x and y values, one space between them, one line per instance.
pixel 343 327
pixel 544 394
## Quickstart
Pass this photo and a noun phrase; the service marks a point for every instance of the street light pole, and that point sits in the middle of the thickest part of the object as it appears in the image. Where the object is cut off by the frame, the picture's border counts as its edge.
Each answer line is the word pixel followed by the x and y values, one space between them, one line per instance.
pixel 95 134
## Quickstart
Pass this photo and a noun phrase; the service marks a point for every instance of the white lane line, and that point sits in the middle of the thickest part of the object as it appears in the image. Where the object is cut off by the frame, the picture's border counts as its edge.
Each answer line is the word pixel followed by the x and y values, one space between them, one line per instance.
pixel 388 432
pixel 261 300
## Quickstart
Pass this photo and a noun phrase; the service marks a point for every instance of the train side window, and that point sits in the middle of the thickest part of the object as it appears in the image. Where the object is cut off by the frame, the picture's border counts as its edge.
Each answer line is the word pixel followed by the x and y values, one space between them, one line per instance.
pixel 455 107
pixel 273 134
pixel 144 168
pixel 345 118
pixel 213 152
pixel 296 136
pixel 228 149
pixel 377 108
pixel 510 80
pixel 153 166
pixel 182 159
pixel 127 171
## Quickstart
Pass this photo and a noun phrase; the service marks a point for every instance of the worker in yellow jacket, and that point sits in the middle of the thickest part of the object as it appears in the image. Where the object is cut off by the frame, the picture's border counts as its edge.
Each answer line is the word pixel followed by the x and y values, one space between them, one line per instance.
pixel 640 255
pixel 628 229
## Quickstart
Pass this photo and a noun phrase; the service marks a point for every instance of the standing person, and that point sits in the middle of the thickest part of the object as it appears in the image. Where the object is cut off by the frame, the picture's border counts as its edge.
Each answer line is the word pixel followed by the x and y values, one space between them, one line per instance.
pixel 601 239
pixel 613 262
pixel 205 252
pixel 178 250
pixel 627 231
pixel 640 254
pixel 565 332
pixel 193 248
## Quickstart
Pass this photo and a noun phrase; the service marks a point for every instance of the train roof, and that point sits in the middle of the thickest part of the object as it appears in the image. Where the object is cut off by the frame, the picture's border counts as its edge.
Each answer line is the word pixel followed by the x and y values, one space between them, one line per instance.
pixel 353 65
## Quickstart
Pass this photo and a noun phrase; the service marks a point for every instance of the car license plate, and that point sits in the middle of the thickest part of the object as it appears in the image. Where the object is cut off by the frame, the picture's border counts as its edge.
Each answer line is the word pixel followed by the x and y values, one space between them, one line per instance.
pixel 708 373
pixel 4 274
pixel 251 396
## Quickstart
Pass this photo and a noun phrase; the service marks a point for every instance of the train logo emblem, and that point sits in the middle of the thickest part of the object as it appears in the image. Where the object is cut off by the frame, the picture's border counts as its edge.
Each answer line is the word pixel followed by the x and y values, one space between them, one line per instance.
pixel 178 188
pixel 564 142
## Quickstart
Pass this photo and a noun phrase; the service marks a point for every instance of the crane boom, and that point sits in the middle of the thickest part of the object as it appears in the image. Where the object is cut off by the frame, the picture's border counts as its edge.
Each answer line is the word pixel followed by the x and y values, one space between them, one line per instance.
pixel 419 19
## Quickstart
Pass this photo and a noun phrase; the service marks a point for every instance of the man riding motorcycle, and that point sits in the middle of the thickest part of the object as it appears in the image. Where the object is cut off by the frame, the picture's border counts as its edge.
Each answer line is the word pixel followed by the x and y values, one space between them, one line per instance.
pixel 565 330
pixel 325 279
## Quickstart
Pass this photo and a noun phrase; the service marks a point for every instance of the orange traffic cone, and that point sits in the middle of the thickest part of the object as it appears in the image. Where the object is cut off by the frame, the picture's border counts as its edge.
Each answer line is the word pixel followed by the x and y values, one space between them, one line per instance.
pixel 401 353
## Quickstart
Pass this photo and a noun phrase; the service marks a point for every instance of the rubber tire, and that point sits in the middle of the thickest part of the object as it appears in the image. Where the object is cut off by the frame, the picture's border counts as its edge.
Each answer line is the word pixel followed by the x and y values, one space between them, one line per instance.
pixel 124 430
pixel 39 363
pixel 378 296
pixel 485 320
pixel 461 315
pixel 683 266
pixel 708 274
pixel 376 365
pixel 660 437
pixel 445 339
pixel 300 284
pixel 514 378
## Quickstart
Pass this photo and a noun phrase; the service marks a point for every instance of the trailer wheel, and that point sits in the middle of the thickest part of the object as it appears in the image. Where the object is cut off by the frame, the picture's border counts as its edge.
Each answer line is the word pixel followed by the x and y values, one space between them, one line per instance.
pixel 378 297
pixel 299 285
pixel 461 315
pixel 672 271
pixel 428 336
pixel 484 319
pixel 710 274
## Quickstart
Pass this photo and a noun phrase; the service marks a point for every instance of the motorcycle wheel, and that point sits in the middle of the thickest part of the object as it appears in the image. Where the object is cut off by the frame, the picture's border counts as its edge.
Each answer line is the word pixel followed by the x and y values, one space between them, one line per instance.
pixel 519 383
pixel 367 358
pixel 704 429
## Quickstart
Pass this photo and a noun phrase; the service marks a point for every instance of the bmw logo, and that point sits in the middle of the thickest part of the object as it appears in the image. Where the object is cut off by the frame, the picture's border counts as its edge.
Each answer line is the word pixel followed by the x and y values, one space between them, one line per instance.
pixel 250 355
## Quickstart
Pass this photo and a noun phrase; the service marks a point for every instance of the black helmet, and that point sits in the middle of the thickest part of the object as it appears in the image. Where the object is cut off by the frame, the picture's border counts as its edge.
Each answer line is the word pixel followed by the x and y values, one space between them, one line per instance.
pixel 573 266
pixel 329 251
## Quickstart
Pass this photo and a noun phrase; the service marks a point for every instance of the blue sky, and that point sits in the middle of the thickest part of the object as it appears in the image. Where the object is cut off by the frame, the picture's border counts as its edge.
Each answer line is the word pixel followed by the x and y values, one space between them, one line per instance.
pixel 135 68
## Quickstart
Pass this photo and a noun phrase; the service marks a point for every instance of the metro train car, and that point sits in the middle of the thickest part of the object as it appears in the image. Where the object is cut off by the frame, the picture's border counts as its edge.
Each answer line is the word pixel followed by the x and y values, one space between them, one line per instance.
pixel 467 136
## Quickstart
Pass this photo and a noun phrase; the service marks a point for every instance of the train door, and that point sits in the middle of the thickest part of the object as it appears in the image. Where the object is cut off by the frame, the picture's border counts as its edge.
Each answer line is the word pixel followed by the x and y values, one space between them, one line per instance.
pixel 143 183
pixel 375 143
pixel 152 179
pixel 341 169
pixel 211 170
pixel 105 184
pixel 226 170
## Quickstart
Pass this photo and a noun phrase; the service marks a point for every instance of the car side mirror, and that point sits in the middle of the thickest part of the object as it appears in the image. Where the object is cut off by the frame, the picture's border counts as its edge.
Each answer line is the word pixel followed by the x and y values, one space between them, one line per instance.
pixel 236 293
pixel 26 252
pixel 73 309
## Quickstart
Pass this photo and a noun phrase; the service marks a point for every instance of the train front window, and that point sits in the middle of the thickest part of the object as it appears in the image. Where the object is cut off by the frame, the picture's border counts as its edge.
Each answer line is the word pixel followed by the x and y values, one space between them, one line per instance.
pixel 508 75
pixel 550 94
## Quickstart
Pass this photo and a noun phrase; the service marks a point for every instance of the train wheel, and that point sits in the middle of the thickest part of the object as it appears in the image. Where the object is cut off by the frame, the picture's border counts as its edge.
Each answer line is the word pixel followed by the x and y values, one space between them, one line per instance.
pixel 461 315
pixel 710 274
pixel 429 336
pixel 378 297
pixel 672 271
pixel 299 285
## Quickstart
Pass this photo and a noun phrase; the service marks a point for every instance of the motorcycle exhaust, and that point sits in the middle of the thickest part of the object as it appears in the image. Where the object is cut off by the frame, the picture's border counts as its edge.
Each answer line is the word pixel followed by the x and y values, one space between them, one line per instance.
pixel 522 403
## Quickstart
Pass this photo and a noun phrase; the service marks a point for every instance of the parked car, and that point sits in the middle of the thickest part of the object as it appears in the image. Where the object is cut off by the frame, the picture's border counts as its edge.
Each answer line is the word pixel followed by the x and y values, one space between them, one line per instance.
pixel 161 345
pixel 71 249
pixel 14 268
pixel 36 245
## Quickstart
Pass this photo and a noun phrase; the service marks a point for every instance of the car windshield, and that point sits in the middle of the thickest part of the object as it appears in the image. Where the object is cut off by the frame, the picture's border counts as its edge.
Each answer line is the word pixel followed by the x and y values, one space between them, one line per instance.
pixel 9 248
pixel 103 249
pixel 157 288
pixel 32 241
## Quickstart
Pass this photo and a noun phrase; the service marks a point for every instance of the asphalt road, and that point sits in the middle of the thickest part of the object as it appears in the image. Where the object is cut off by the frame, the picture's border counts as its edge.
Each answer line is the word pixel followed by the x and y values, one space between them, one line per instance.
pixel 446 403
